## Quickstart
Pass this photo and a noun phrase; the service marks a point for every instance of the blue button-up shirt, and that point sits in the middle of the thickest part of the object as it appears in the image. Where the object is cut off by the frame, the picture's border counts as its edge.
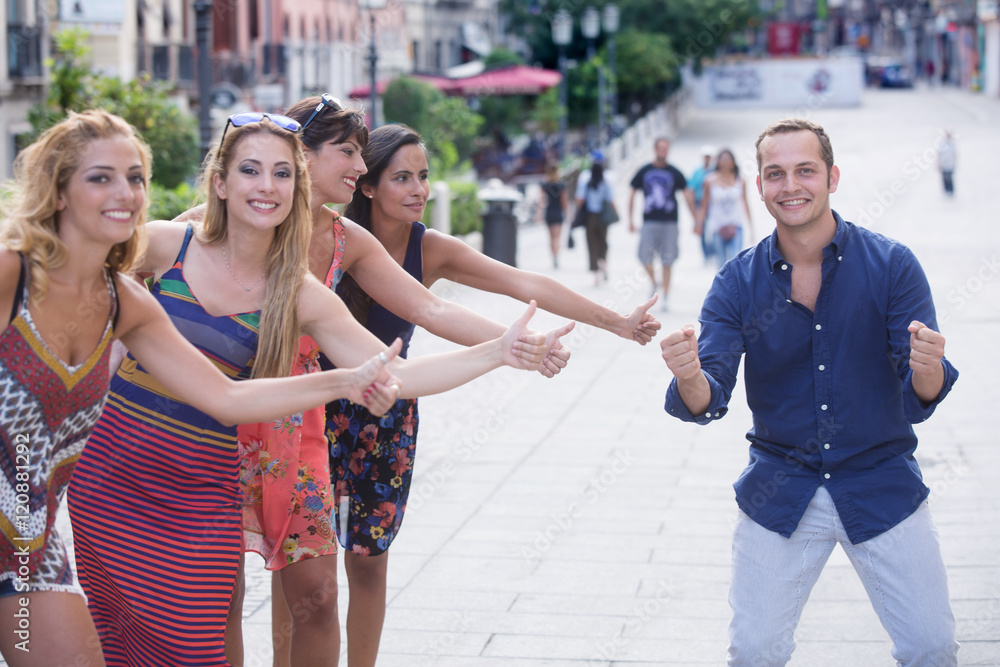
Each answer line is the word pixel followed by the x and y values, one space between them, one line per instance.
pixel 830 389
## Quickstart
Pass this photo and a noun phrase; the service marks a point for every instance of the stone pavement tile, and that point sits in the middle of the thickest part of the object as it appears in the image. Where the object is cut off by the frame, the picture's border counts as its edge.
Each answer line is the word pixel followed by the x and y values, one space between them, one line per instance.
pixel 408 644
pixel 978 619
pixel 408 660
pixel 506 622
pixel 840 653
pixel 686 583
pixel 978 652
pixel 460 601
pixel 536 647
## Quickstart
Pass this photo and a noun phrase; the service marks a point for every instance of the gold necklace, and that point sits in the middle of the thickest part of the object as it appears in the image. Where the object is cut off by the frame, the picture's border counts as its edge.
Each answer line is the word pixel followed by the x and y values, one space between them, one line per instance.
pixel 225 258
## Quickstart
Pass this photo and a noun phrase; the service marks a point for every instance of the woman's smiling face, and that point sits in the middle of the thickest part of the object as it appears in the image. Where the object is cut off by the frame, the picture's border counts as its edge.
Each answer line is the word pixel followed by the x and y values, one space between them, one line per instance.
pixel 260 181
pixel 402 190
pixel 335 168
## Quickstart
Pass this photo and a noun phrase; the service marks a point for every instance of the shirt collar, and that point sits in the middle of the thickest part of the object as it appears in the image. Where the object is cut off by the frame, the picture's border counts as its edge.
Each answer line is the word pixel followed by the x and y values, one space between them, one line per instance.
pixel 836 245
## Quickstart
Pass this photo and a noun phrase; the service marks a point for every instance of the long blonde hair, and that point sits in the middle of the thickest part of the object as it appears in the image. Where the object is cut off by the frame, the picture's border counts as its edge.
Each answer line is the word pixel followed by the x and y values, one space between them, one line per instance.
pixel 42 171
pixel 287 258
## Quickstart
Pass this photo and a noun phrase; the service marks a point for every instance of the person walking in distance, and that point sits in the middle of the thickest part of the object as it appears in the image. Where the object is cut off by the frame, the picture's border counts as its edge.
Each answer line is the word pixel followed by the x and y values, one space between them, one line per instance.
pixel 724 215
pixel 660 182
pixel 696 183
pixel 556 201
pixel 946 162
pixel 597 191
pixel 849 360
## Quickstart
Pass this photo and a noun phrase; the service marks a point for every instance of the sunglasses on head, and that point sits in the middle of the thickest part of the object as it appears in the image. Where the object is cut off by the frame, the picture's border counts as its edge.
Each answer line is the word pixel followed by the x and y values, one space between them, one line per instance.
pixel 326 101
pixel 249 117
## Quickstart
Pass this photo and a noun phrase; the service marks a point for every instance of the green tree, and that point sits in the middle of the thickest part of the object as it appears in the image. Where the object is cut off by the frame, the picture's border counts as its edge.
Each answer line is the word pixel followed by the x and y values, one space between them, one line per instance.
pixel 501 57
pixel 448 126
pixel 692 29
pixel 171 135
pixel 547 111
pixel 651 68
pixel 409 100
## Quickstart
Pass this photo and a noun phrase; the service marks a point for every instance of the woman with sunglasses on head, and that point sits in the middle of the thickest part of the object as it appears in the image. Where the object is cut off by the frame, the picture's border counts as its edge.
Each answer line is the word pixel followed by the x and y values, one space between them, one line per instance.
pixel 335 138
pixel 75 222
pixel 159 583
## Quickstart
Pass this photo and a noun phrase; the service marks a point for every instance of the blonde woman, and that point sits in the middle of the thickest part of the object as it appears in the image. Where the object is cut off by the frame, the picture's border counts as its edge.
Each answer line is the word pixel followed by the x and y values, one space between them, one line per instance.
pixel 159 584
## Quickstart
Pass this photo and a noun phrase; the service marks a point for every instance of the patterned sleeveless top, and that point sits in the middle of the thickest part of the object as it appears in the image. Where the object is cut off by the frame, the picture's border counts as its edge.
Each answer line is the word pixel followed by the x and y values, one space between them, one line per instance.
pixel 47 411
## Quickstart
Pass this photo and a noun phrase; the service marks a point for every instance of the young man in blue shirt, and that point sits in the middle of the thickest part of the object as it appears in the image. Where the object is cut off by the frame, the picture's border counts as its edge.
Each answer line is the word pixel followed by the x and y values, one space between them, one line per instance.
pixel 842 356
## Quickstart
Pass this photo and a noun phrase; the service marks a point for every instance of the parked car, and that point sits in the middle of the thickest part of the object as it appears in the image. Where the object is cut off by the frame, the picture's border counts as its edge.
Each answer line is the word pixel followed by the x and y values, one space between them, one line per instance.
pixel 889 71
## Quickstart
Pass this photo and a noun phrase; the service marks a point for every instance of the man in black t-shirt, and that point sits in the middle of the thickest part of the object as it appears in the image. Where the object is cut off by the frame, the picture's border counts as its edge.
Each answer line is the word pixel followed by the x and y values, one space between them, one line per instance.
pixel 660 182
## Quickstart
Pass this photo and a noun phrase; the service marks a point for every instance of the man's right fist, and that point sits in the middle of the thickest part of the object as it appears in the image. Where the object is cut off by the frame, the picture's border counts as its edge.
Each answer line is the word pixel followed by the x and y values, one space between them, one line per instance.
pixel 680 350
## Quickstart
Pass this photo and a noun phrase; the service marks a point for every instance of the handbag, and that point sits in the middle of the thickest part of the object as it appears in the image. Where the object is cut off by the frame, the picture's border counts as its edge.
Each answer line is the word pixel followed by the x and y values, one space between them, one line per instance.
pixel 728 232
pixel 608 214
pixel 580 217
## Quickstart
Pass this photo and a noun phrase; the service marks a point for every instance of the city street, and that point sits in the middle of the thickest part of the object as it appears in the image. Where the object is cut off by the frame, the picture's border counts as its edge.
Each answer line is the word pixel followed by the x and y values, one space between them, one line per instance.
pixel 570 522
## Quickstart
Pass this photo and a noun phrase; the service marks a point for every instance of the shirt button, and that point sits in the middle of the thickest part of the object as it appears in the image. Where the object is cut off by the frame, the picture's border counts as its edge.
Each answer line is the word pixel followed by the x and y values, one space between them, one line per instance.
pixel 826 445
pixel 826 475
pixel 716 415
pixel 823 407
pixel 818 327
pixel 788 300
pixel 822 367
pixel 840 258
pixel 708 415
pixel 784 267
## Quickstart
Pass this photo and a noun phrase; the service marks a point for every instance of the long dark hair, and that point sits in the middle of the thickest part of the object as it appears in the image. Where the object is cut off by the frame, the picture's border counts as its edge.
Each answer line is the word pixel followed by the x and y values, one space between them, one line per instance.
pixel 596 176
pixel 383 143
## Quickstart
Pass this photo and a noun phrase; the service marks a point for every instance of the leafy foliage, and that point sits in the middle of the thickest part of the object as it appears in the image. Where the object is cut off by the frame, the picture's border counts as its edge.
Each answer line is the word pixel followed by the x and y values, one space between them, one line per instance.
pixel 654 40
pixel 171 135
pixel 448 126
pixel 168 203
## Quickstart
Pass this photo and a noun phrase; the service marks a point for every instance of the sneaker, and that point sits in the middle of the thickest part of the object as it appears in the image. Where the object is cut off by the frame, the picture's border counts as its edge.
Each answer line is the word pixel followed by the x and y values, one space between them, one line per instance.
pixel 663 304
pixel 652 292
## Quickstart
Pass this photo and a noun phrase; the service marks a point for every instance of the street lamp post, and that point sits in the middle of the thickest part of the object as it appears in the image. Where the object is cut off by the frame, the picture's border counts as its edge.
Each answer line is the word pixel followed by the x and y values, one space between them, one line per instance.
pixel 590 24
pixel 611 27
pixel 372 63
pixel 562 33
pixel 371 6
pixel 203 38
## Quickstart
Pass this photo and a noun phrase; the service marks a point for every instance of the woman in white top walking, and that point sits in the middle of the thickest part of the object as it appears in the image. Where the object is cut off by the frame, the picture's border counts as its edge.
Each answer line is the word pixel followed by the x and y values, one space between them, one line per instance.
pixel 724 213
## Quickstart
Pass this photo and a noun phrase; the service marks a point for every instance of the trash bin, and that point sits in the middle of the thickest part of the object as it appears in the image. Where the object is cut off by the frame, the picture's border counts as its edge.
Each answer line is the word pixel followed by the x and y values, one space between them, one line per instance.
pixel 499 223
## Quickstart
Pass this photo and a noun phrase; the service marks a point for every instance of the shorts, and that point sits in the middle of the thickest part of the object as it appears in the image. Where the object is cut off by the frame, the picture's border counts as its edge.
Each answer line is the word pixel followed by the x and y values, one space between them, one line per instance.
pixel 658 238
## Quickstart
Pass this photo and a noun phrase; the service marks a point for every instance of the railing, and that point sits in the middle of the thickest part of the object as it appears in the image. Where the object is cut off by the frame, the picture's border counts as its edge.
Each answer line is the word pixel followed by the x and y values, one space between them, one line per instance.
pixel 24 51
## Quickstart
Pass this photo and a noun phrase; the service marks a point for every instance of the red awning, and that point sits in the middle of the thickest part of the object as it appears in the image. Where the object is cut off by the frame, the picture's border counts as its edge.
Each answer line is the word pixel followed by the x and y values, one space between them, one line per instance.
pixel 515 80
pixel 364 91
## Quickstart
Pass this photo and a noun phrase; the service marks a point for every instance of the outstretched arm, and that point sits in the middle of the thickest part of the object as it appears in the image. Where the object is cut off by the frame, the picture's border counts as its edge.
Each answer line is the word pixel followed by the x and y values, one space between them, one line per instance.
pixel 393 288
pixel 325 317
pixel 447 257
pixel 183 371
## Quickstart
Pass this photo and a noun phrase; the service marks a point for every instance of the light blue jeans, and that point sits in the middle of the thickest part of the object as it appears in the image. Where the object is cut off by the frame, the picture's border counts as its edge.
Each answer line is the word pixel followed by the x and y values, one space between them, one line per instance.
pixel 726 250
pixel 901 569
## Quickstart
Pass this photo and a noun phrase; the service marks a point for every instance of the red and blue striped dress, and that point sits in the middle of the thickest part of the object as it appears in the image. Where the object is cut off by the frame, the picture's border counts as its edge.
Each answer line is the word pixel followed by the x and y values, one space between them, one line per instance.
pixel 155 502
